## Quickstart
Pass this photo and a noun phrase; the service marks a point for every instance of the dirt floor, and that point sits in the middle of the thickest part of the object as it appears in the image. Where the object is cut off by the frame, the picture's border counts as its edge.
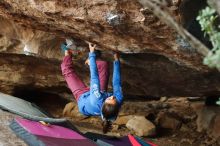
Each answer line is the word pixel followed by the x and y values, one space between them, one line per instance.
pixel 179 129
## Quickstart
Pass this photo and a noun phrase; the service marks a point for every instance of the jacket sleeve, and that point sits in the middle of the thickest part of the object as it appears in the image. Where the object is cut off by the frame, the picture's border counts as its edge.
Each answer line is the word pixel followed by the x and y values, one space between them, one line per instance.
pixel 117 89
pixel 94 79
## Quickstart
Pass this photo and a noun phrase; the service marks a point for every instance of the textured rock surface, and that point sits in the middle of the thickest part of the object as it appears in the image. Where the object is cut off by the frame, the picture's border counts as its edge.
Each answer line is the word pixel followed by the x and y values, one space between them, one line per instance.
pixel 93 20
pixel 20 73
pixel 168 122
pixel 71 110
pixel 155 61
pixel 208 120
pixel 122 120
pixel 7 137
pixel 20 40
pixel 141 126
pixel 215 4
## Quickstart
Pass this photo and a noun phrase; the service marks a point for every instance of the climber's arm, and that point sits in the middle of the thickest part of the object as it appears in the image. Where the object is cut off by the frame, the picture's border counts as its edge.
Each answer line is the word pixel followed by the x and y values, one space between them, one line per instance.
pixel 94 76
pixel 117 89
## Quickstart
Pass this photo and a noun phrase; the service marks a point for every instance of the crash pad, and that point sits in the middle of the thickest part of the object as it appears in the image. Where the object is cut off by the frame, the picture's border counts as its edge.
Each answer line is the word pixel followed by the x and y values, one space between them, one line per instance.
pixel 34 134
pixel 25 109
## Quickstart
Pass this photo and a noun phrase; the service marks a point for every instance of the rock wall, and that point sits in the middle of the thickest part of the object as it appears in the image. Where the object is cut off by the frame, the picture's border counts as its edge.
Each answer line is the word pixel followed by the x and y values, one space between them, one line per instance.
pixel 113 25
pixel 155 60
pixel 21 40
pixel 25 72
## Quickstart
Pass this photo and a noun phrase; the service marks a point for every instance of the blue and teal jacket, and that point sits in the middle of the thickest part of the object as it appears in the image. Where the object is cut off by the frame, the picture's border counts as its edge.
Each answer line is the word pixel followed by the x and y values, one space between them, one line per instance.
pixel 90 103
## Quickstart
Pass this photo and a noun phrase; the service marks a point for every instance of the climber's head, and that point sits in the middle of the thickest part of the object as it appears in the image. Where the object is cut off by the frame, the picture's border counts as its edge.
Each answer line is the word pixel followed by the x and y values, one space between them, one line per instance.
pixel 110 111
pixel 111 100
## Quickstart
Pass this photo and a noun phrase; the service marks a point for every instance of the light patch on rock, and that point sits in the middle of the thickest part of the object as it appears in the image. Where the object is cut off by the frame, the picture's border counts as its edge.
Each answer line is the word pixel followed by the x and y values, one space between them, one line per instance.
pixel 71 110
pixel 204 119
pixel 163 99
pixel 13 77
pixel 215 131
pixel 68 108
pixel 141 126
pixel 49 6
pixel 4 43
pixel 122 120
pixel 208 120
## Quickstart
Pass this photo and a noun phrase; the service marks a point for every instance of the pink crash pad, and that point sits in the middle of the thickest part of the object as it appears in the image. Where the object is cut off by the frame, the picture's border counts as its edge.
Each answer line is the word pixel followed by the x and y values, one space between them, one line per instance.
pixel 133 140
pixel 37 128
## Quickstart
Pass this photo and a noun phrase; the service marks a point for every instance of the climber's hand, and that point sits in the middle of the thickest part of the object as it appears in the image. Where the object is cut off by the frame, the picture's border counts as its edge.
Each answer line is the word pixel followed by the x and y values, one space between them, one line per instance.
pixel 68 52
pixel 87 62
pixel 92 47
pixel 116 56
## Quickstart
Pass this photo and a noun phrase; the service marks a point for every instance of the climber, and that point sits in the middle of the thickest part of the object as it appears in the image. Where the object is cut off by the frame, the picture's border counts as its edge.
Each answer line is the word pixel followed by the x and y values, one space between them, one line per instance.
pixel 95 101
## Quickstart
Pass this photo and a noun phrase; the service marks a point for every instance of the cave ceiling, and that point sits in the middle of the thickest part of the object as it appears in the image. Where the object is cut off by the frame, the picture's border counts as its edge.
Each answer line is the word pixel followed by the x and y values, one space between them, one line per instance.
pixel 156 61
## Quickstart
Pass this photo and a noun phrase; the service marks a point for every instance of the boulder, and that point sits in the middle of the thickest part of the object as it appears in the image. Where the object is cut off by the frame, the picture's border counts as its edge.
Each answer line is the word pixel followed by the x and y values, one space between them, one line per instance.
pixel 141 126
pixel 71 110
pixel 205 116
pixel 154 57
pixel 215 127
pixel 122 120
pixel 164 120
pixel 163 99
pixel 208 119
pixel 67 111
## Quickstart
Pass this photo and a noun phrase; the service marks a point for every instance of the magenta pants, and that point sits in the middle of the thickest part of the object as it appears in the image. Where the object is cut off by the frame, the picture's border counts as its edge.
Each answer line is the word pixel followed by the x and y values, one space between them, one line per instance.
pixel 75 84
